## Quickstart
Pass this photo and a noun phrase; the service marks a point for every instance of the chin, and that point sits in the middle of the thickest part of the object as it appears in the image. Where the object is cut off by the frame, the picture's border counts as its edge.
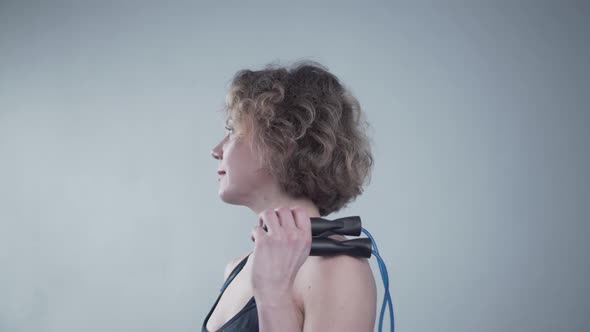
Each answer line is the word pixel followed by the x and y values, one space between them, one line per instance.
pixel 228 198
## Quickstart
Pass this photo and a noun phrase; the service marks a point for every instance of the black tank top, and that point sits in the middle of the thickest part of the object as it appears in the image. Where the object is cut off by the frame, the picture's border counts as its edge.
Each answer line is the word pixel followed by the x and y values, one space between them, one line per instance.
pixel 246 320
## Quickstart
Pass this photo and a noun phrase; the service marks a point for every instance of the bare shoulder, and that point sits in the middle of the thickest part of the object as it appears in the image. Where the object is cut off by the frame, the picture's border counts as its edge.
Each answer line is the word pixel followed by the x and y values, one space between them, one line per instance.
pixel 323 271
pixel 232 264
pixel 356 269
pixel 328 267
pixel 330 288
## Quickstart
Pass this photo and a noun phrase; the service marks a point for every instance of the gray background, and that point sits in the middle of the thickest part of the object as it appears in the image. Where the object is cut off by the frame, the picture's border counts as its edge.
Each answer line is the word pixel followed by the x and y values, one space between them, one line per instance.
pixel 109 214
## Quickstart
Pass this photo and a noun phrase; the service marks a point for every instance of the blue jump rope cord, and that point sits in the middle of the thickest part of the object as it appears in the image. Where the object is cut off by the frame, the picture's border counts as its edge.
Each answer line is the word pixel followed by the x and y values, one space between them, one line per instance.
pixel 385 277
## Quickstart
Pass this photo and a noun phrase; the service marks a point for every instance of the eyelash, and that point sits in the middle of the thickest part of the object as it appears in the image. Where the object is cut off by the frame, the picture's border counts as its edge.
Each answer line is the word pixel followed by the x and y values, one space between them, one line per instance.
pixel 230 129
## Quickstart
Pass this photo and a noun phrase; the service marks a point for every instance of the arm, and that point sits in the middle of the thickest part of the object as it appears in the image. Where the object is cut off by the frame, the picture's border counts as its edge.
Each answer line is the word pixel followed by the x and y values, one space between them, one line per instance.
pixel 339 295
pixel 280 315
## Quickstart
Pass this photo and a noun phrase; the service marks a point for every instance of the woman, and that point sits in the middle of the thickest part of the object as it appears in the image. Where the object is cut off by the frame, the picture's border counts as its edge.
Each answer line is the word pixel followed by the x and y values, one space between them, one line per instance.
pixel 295 149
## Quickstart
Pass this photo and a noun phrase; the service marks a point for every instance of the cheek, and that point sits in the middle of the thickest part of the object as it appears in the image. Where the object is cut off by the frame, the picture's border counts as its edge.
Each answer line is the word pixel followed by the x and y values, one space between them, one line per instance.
pixel 239 156
pixel 245 170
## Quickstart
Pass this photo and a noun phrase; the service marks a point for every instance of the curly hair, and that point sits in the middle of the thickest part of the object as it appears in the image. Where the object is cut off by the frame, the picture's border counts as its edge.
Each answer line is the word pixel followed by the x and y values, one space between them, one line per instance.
pixel 306 129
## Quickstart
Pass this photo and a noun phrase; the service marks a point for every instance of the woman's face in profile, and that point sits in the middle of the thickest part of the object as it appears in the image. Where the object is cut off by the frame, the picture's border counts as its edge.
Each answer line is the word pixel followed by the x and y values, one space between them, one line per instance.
pixel 241 173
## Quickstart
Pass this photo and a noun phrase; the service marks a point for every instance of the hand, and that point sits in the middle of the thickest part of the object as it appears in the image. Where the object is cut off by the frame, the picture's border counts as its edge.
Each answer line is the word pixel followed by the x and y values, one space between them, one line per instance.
pixel 279 253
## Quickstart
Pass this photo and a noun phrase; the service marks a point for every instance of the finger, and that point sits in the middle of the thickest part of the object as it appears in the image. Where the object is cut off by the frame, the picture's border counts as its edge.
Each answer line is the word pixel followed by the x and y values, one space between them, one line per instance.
pixel 301 219
pixel 286 218
pixel 261 224
pixel 257 233
pixel 271 220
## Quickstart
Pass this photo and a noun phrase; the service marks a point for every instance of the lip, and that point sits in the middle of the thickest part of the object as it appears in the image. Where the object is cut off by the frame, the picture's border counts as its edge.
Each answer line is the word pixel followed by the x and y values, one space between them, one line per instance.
pixel 220 172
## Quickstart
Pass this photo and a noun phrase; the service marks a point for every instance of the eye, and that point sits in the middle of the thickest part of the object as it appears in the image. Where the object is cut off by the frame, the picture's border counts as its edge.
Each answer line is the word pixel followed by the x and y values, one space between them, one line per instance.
pixel 229 129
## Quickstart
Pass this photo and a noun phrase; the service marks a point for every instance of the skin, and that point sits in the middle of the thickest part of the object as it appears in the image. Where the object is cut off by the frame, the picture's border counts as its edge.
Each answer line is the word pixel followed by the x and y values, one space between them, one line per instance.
pixel 279 253
pixel 282 253
pixel 245 182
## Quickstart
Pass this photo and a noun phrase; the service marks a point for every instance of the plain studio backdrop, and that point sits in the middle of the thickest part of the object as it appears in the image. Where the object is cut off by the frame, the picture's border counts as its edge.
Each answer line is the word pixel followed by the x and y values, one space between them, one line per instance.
pixel 479 200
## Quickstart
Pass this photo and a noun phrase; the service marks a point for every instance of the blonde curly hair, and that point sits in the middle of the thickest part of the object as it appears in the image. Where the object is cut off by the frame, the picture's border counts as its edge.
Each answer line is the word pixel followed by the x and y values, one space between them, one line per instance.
pixel 306 129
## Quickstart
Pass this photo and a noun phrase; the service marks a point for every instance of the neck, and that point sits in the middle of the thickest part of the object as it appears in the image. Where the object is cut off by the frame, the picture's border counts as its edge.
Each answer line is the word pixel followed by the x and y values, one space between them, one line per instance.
pixel 274 200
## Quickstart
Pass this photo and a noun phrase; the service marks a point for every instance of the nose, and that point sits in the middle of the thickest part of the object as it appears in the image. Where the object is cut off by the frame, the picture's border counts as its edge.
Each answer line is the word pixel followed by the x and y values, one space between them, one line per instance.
pixel 215 155
pixel 216 152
